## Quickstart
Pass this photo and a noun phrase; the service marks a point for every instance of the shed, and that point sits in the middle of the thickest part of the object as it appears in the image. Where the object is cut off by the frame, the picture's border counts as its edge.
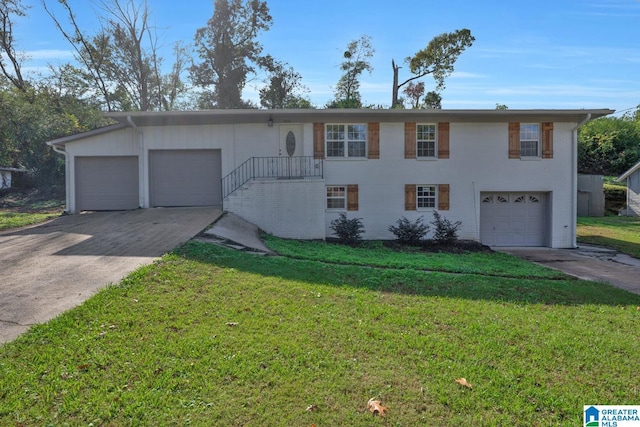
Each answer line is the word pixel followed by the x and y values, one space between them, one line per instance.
pixel 6 174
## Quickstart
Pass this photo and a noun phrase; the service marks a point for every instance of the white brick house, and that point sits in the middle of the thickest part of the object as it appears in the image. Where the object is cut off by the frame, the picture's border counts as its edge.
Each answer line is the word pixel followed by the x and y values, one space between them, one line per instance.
pixel 510 176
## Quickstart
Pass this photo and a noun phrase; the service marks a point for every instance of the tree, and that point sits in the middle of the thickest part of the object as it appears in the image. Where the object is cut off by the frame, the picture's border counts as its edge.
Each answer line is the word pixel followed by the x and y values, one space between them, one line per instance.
pixel 228 48
pixel 10 9
pixel 608 146
pixel 501 107
pixel 414 92
pixel 284 86
pixel 356 61
pixel 121 60
pixel 433 100
pixel 436 59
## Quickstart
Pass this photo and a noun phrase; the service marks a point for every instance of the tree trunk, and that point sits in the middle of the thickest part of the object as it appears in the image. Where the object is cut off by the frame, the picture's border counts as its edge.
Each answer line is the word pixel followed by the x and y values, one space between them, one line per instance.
pixel 394 96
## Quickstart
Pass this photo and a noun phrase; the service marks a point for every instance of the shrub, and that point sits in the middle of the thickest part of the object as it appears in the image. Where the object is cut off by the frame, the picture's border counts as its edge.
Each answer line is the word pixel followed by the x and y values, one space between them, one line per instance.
pixel 445 231
pixel 348 230
pixel 615 197
pixel 409 233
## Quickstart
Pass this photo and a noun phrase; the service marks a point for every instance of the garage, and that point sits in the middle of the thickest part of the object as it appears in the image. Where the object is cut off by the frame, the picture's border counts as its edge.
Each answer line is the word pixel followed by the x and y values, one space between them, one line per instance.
pixel 185 178
pixel 106 183
pixel 513 219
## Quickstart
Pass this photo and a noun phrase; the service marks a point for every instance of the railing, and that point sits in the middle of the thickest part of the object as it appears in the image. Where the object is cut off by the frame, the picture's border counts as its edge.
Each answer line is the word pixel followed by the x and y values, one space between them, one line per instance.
pixel 271 167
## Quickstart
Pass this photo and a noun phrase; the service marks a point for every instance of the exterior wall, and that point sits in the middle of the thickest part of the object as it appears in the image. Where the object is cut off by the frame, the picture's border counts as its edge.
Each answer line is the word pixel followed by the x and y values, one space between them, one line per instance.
pixel 284 208
pixel 633 194
pixel 478 163
pixel 5 179
pixel 590 195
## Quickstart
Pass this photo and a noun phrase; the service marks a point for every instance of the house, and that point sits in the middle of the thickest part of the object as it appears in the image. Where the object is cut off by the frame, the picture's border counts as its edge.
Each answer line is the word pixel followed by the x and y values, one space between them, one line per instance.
pixel 510 176
pixel 6 175
pixel 591 416
pixel 632 178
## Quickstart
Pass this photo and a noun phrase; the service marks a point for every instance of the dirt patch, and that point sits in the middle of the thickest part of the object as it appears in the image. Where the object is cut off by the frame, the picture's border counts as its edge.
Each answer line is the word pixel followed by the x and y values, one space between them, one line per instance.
pixel 32 201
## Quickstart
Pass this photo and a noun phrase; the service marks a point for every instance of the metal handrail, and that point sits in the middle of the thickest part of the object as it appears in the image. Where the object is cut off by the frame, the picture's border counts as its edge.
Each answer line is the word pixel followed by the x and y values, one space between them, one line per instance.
pixel 295 167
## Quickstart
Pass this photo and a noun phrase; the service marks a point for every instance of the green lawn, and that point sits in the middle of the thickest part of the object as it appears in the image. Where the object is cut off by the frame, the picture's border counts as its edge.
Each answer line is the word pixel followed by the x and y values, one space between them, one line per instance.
pixel 16 220
pixel 209 336
pixel 617 232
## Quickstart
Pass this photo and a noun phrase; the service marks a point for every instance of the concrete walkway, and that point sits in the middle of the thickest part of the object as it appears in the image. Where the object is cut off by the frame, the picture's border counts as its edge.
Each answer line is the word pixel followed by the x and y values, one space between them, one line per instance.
pixel 235 232
pixel 50 268
pixel 587 262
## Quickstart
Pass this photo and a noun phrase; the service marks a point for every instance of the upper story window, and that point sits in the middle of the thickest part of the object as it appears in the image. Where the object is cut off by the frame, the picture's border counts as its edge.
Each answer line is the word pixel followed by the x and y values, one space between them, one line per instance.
pixel 529 140
pixel 346 140
pixel 426 140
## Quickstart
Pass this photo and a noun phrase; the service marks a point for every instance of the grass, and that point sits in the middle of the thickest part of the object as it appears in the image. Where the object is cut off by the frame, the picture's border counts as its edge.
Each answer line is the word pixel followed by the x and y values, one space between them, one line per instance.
pixel 617 232
pixel 209 336
pixel 22 208
pixel 16 219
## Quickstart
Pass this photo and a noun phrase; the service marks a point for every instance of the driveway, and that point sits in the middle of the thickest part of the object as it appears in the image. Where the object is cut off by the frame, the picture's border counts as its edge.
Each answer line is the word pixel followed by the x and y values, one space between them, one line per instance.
pixel 587 262
pixel 52 267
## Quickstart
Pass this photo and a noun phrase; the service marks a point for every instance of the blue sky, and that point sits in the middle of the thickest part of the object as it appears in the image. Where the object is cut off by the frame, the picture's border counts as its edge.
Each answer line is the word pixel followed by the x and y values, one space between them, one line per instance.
pixel 543 54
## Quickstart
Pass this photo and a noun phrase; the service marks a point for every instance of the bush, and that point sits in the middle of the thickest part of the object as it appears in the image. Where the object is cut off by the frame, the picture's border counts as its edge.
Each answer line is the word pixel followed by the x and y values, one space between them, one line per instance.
pixel 409 233
pixel 615 198
pixel 445 230
pixel 348 230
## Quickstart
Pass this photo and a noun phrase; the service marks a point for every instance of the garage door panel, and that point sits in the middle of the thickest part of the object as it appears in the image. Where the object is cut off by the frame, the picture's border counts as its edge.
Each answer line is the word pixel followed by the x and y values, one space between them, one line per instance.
pixel 513 219
pixel 185 177
pixel 106 183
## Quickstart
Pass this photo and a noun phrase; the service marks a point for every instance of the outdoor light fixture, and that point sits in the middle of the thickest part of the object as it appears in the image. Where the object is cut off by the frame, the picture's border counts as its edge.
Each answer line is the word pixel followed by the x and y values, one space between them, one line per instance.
pixel 270 122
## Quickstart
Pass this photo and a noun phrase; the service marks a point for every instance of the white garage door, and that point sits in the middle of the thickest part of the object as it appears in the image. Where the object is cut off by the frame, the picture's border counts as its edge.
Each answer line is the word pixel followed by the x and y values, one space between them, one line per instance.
pixel 106 183
pixel 513 219
pixel 185 177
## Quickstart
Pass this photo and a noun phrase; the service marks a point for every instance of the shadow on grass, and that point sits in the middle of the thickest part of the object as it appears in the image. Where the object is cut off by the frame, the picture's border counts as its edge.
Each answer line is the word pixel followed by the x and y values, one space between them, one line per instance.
pixel 413 282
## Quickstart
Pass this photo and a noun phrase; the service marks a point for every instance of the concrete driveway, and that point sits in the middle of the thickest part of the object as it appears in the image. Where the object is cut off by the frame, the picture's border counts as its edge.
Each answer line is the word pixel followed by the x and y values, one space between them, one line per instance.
pixel 587 262
pixel 50 268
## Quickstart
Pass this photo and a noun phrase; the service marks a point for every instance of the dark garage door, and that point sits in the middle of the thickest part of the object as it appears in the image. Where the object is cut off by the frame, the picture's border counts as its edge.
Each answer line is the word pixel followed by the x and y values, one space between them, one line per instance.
pixel 106 183
pixel 513 219
pixel 185 177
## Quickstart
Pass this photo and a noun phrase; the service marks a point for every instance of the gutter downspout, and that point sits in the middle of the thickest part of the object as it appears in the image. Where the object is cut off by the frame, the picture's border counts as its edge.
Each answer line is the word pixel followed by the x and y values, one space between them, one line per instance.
pixel 574 180
pixel 67 172
pixel 142 176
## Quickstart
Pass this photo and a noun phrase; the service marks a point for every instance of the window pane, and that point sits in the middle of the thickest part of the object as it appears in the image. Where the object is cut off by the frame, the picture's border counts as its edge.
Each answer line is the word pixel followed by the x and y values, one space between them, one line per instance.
pixel 357 149
pixel 357 132
pixel 528 148
pixel 335 148
pixel 426 149
pixel 529 132
pixel 335 203
pixel 426 196
pixel 426 132
pixel 335 132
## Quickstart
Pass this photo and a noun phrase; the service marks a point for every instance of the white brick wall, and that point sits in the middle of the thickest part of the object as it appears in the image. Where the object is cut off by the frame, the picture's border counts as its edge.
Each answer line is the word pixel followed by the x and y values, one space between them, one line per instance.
pixel 285 208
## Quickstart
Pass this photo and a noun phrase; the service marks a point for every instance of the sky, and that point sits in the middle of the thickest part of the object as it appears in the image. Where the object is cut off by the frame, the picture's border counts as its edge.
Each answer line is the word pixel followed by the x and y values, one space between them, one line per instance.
pixel 562 54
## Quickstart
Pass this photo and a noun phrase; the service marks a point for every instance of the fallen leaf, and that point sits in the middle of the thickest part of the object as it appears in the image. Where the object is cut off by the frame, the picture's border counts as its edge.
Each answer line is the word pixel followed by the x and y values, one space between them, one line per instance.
pixel 464 382
pixel 312 408
pixel 376 407
pixel 232 324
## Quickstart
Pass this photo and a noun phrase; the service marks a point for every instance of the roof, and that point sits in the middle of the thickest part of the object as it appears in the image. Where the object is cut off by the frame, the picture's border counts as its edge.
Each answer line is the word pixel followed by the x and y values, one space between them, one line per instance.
pixel 206 117
pixel 201 117
pixel 628 173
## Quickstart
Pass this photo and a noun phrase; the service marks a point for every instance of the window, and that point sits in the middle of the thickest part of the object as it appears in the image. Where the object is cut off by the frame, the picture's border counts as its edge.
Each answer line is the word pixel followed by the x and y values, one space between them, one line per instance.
pixel 346 140
pixel 426 196
pixel 529 139
pixel 426 140
pixel 336 197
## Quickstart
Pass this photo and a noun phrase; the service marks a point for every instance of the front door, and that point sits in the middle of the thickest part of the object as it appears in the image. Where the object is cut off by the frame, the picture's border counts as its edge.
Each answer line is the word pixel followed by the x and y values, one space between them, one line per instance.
pixel 290 148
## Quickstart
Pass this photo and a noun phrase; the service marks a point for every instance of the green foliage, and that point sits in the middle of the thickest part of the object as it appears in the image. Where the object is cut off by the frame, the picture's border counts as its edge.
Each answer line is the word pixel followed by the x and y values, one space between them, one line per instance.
pixel 357 59
pixel 284 86
pixel 16 220
pixel 410 233
pixel 349 231
pixel 228 48
pixel 444 231
pixel 615 197
pixel 608 146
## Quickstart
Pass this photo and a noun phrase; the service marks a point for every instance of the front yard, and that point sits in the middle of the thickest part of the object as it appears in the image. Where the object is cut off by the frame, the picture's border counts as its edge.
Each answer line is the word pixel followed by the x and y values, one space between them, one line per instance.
pixel 19 209
pixel 209 336
pixel 617 232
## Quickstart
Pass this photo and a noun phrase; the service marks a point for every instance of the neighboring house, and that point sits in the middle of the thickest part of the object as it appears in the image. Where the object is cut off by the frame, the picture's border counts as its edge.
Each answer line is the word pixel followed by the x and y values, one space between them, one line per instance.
pixel 510 176
pixel 6 174
pixel 632 179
